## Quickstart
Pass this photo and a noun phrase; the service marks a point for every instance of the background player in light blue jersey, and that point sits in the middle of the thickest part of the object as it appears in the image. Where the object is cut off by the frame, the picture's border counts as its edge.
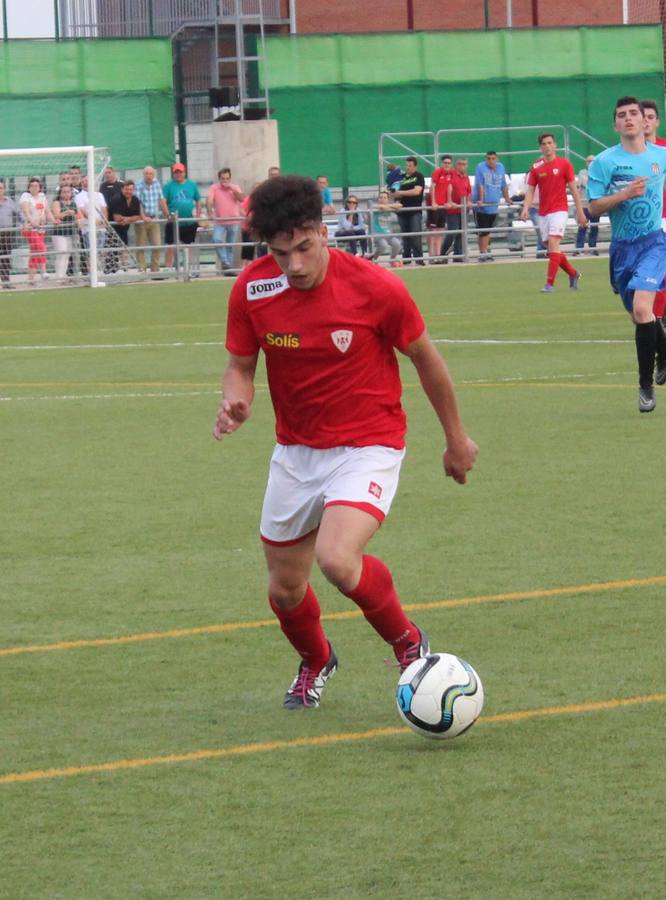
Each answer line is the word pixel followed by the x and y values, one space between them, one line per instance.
pixel 626 181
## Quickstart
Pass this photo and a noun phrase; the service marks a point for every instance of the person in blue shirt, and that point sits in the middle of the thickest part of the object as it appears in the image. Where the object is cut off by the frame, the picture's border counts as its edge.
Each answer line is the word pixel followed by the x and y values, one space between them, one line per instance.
pixel 626 182
pixel 328 209
pixel 490 185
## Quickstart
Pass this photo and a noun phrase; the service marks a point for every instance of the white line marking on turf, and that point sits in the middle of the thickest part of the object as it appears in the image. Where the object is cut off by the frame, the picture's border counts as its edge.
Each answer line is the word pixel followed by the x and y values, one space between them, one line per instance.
pixel 147 345
pixel 527 341
pixel 132 396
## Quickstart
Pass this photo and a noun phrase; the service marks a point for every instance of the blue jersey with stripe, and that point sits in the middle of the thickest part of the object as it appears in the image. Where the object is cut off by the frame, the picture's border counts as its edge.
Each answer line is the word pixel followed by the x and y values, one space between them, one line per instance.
pixel 612 170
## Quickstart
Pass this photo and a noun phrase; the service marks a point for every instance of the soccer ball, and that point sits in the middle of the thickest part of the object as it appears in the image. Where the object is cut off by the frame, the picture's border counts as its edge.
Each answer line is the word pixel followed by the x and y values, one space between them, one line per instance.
pixel 440 695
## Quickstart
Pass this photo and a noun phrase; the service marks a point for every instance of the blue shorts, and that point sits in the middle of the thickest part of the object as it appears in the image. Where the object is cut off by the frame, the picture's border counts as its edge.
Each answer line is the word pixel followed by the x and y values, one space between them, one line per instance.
pixel 638 265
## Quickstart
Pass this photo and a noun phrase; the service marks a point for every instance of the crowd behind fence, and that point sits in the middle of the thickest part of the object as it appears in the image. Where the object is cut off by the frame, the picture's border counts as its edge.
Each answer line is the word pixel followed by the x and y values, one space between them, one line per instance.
pixel 120 262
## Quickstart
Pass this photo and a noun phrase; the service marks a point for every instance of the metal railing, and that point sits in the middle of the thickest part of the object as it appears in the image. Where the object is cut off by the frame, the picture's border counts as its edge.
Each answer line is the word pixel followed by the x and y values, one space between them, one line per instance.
pixel 153 18
pixel 119 263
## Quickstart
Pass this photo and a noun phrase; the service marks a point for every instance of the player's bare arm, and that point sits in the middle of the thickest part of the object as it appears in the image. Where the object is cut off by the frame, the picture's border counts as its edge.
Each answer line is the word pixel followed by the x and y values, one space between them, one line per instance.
pixel 461 451
pixel 527 202
pixel 635 188
pixel 237 395
pixel 578 203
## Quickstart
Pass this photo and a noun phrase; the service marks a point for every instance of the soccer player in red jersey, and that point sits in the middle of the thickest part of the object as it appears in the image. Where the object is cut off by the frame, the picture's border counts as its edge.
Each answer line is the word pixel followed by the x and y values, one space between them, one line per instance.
pixel 553 175
pixel 329 325
pixel 651 112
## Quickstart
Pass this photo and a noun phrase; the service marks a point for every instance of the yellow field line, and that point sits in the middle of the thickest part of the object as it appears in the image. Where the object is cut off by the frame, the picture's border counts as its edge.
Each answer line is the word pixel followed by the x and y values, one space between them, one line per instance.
pixel 320 741
pixel 594 588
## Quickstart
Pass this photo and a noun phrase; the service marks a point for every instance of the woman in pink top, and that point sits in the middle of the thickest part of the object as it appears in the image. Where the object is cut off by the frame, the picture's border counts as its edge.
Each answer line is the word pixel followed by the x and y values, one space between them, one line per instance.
pixel 224 209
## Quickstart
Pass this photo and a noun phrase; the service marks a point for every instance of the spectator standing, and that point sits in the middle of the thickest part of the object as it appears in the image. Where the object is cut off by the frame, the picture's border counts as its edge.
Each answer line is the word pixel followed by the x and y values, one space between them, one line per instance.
pixel 394 176
pixel 124 211
pixel 384 240
pixel 410 194
pixel 458 190
pixel 441 180
pixel 75 178
pixel 83 202
pixel 328 209
pixel 490 185
pixel 147 231
pixel 65 237
pixel 351 224
pixel 591 229
pixel 111 186
pixel 184 202
pixel 224 208
pixel 36 214
pixel 8 217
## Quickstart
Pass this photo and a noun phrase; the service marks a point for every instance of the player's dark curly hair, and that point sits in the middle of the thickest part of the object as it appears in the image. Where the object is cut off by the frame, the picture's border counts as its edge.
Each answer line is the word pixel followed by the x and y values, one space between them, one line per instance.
pixel 283 204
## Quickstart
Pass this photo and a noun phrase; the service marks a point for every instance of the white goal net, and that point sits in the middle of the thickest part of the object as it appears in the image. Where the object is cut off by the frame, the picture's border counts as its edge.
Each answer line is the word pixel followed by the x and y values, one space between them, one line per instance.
pixel 48 232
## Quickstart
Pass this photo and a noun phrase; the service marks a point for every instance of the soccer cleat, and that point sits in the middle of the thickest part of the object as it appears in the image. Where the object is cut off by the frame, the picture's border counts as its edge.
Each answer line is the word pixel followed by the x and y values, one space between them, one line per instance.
pixel 306 689
pixel 646 401
pixel 548 289
pixel 660 371
pixel 413 651
pixel 573 281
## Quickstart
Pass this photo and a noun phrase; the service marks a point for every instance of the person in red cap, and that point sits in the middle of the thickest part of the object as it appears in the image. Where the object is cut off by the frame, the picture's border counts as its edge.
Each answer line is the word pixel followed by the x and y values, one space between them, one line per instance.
pixel 184 201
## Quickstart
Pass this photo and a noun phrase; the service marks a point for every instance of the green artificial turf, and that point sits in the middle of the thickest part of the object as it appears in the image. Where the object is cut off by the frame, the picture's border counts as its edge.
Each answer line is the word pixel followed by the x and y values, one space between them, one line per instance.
pixel 123 518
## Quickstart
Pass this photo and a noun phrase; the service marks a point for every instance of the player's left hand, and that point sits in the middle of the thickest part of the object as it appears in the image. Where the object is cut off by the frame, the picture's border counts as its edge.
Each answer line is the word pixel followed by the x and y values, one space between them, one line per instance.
pixel 459 459
pixel 230 417
pixel 583 221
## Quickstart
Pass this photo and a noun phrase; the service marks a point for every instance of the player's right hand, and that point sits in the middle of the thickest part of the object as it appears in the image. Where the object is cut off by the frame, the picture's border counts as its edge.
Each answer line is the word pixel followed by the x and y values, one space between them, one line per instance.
pixel 636 188
pixel 230 417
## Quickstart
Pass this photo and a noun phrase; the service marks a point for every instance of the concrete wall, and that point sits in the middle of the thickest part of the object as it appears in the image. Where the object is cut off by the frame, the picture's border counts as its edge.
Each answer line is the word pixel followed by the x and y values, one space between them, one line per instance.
pixel 247 148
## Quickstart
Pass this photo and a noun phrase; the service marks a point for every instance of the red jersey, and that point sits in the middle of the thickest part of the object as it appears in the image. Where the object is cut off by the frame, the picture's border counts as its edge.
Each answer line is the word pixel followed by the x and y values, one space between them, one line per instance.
pixel 461 187
pixel 440 180
pixel 661 142
pixel 552 179
pixel 330 351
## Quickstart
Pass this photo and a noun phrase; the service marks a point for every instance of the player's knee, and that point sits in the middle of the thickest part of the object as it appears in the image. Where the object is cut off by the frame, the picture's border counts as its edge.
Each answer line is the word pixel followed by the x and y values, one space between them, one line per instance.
pixel 339 567
pixel 286 594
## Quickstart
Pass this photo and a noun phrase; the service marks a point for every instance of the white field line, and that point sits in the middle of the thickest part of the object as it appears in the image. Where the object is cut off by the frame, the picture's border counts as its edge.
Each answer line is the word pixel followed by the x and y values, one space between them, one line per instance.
pixel 162 395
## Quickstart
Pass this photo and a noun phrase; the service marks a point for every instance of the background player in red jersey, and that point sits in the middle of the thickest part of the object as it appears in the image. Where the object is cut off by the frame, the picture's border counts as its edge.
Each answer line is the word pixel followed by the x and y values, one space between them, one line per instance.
pixel 553 174
pixel 651 112
pixel 329 324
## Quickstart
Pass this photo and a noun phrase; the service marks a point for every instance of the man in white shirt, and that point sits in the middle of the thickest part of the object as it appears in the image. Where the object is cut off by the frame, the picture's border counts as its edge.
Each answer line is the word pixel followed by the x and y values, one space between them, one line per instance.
pixel 82 200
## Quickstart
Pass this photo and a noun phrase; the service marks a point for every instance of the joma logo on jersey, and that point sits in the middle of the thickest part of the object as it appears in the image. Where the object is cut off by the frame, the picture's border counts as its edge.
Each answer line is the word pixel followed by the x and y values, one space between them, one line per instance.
pixel 266 287
pixel 287 341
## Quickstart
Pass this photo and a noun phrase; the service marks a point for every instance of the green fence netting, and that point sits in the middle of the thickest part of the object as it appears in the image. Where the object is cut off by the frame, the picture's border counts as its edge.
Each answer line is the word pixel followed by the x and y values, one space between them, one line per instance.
pixel 116 94
pixel 335 95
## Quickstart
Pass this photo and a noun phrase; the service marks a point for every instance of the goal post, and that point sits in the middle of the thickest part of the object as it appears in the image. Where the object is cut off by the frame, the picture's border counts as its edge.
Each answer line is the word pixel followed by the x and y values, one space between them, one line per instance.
pixel 19 165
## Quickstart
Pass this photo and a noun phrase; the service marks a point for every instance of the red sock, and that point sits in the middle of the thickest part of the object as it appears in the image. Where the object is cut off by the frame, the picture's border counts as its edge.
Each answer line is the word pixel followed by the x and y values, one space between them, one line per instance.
pixel 380 604
pixel 553 266
pixel 302 628
pixel 566 265
pixel 659 305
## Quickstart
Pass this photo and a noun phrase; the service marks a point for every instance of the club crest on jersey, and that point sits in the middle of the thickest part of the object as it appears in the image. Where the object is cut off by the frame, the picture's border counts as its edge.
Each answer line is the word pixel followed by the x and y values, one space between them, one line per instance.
pixel 655 168
pixel 342 339
pixel 375 489
pixel 266 287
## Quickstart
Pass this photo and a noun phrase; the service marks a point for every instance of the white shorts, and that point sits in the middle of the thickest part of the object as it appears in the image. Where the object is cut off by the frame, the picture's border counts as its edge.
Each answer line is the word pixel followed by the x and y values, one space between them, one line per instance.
pixel 553 224
pixel 303 481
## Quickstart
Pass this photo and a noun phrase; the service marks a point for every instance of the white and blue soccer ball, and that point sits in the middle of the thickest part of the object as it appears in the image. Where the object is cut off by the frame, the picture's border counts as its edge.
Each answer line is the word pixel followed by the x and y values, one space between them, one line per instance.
pixel 440 695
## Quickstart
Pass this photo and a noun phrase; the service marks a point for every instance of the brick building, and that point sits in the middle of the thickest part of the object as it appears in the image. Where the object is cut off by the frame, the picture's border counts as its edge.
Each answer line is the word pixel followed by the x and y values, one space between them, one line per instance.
pixel 312 16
